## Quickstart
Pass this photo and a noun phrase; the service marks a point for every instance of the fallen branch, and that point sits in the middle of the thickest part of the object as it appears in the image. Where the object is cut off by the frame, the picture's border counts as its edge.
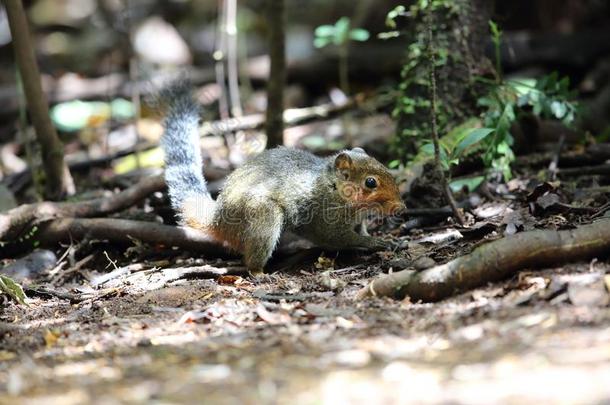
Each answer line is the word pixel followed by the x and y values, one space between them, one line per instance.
pixel 594 154
pixel 292 117
pixel 494 261
pixel 124 231
pixel 603 170
pixel 14 222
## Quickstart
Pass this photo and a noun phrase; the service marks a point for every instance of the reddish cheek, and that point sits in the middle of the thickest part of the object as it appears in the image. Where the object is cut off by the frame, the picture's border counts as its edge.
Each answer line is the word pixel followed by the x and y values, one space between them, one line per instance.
pixel 353 193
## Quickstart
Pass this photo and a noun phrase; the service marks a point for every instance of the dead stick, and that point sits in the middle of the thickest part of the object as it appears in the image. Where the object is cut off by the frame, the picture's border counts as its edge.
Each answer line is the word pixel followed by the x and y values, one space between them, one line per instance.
pixel 554 165
pixel 123 231
pixel 495 261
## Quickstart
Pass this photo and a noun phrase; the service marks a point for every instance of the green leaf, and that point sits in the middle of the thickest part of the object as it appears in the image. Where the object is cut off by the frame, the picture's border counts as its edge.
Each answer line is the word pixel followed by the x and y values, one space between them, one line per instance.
pixel 427 148
pixel 341 31
pixel 122 109
pixel 12 289
pixel 325 31
pixel 471 182
pixel 494 29
pixel 559 109
pixel 397 11
pixel 342 25
pixel 359 34
pixel 472 138
pixel 321 42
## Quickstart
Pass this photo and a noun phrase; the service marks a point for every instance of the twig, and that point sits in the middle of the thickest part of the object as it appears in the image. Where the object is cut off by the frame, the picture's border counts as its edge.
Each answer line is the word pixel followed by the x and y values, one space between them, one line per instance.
pixel 601 210
pixel 437 160
pixel 495 261
pixel 46 292
pixel 553 166
pixel 60 274
pixel 219 58
pixel 232 73
pixel 116 273
pixel 58 180
pixel 292 117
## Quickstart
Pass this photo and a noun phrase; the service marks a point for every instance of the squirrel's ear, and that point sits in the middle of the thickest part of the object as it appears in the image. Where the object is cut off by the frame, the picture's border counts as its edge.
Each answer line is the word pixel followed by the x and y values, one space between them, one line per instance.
pixel 359 150
pixel 343 164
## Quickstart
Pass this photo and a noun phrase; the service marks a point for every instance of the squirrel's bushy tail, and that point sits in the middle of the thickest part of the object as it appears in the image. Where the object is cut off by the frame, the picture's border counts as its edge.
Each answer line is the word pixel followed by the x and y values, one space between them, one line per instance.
pixel 180 142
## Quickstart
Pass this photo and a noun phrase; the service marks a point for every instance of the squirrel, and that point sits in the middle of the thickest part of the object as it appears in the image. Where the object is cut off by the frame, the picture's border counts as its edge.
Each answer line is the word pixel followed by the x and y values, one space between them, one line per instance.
pixel 281 189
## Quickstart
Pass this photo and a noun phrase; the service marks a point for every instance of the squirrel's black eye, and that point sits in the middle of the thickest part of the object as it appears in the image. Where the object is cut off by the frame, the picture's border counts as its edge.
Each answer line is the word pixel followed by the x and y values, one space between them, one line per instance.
pixel 370 182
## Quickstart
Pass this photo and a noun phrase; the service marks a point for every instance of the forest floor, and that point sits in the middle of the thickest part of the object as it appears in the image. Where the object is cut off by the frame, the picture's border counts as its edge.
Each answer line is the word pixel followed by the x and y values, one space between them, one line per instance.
pixel 299 336
pixel 105 324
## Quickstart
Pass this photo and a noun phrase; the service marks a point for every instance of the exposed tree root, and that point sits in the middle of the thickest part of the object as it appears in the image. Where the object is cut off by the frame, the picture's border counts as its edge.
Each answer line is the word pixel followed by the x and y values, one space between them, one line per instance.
pixel 124 231
pixel 495 261
pixel 15 221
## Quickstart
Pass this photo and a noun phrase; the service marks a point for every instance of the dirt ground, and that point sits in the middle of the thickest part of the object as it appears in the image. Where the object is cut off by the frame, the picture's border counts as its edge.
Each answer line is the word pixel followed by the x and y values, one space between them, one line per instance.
pixel 154 337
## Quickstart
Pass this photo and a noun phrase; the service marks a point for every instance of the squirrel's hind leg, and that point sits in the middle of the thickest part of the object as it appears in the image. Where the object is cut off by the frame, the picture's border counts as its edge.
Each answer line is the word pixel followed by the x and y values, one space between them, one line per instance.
pixel 261 236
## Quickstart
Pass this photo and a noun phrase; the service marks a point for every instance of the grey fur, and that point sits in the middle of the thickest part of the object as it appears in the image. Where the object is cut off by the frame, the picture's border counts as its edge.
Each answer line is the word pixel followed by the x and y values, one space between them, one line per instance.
pixel 280 189
pixel 180 142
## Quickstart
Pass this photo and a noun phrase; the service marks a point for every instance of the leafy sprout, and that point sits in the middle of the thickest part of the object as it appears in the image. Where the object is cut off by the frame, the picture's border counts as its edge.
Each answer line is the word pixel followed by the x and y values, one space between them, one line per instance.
pixel 339 33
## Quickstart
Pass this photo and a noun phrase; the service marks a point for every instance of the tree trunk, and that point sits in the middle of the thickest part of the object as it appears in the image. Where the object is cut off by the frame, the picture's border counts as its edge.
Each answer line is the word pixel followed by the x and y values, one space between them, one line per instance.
pixel 274 126
pixel 460 32
pixel 58 181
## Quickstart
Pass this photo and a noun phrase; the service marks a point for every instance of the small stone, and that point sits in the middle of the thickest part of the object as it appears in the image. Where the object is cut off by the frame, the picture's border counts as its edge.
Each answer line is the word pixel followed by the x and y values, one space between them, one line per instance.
pixel 30 266
pixel 589 294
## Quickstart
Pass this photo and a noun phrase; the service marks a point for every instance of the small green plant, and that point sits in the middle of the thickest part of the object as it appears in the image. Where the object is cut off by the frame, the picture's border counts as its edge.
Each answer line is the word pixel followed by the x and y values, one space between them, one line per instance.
pixel 483 126
pixel 496 39
pixel 340 34
pixel 12 289
pixel 547 97
pixel 412 108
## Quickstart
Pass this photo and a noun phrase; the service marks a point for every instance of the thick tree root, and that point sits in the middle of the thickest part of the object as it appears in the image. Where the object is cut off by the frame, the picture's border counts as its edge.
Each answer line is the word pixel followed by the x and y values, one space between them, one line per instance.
pixel 124 231
pixel 495 261
pixel 14 222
